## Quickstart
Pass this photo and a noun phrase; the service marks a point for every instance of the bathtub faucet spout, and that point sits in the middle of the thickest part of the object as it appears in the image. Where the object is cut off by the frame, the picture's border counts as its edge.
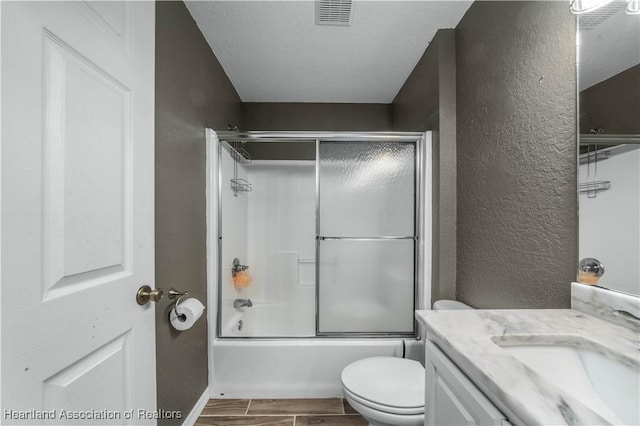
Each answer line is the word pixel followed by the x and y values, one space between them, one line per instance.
pixel 241 303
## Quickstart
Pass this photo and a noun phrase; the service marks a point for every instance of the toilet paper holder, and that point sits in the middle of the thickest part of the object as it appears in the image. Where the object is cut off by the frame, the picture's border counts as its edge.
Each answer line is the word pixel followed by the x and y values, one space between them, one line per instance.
pixel 179 295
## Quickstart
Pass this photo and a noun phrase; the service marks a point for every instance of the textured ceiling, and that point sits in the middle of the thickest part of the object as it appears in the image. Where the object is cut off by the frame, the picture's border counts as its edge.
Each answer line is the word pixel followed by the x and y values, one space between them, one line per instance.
pixel 273 52
pixel 608 49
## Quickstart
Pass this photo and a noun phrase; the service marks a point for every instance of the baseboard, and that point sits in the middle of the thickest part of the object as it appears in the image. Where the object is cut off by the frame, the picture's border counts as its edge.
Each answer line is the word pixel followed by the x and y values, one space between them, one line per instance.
pixel 190 420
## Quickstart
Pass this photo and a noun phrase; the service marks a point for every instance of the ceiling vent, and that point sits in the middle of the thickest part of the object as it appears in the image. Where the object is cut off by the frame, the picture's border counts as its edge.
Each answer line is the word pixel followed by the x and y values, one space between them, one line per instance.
pixel 333 12
pixel 593 19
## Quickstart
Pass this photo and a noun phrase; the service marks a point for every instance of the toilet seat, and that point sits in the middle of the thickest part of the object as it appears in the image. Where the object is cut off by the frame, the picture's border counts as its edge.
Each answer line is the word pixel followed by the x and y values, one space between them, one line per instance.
pixel 381 407
pixel 387 384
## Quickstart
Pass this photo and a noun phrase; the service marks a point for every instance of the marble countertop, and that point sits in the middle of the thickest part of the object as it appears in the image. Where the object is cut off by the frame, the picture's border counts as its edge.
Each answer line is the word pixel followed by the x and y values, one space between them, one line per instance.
pixel 470 338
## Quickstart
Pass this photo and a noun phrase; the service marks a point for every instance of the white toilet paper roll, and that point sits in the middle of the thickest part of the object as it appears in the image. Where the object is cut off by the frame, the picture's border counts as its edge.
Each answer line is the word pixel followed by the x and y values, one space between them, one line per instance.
pixel 190 310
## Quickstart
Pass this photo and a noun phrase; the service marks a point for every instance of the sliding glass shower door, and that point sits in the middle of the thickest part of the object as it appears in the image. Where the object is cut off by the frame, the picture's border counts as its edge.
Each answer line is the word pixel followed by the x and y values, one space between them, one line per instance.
pixel 366 237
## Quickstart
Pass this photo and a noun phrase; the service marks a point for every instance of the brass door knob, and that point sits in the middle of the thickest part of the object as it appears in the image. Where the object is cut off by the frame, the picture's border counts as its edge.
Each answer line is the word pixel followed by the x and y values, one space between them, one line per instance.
pixel 146 294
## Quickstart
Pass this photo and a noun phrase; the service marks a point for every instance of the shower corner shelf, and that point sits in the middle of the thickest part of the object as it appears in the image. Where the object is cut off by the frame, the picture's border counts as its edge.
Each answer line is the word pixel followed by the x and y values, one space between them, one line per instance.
pixel 240 185
pixel 240 155
pixel 597 186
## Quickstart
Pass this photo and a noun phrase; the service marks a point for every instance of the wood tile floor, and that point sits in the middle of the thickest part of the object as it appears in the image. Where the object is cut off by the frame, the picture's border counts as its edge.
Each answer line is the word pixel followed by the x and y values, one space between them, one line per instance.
pixel 279 412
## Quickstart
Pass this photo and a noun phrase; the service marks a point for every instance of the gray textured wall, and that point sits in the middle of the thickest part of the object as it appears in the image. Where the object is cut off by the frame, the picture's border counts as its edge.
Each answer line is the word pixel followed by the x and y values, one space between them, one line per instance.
pixel 192 92
pixel 316 116
pixel 416 106
pixel 613 104
pixel 517 201
pixel 427 101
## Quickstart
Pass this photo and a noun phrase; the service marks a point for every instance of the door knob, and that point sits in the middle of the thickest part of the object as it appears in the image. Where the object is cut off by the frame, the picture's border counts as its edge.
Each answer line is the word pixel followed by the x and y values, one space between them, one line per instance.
pixel 146 294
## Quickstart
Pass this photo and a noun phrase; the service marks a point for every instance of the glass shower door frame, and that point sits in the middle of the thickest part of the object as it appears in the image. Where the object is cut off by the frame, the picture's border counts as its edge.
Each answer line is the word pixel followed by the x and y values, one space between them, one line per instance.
pixel 417 202
pixel 422 147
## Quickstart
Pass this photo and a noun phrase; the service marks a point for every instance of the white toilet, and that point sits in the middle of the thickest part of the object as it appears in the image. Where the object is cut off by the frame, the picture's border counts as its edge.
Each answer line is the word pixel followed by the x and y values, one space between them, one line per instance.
pixel 389 391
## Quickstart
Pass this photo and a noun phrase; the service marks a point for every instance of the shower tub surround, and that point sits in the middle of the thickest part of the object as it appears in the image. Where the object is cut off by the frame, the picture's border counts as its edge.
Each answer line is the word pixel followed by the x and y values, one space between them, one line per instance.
pixel 476 341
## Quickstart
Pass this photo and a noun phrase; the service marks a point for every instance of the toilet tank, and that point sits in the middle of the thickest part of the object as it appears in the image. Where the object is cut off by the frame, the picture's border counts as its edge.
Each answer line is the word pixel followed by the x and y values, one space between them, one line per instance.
pixel 444 305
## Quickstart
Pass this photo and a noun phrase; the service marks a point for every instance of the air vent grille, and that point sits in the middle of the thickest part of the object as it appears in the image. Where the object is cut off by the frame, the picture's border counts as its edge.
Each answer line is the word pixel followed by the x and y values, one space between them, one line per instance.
pixel 591 20
pixel 333 12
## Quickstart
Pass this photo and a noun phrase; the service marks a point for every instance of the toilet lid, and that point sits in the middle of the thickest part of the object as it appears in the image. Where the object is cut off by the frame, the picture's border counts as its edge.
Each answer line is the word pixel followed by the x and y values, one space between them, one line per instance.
pixel 392 382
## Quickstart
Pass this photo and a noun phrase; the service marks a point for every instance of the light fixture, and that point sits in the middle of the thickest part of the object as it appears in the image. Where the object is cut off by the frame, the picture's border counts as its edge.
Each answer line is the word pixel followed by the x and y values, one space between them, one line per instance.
pixel 584 6
pixel 633 7
pixel 579 7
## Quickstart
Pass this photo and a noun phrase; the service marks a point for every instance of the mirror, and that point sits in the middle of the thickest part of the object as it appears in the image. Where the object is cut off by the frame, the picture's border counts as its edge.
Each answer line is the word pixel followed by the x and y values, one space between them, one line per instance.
pixel 609 155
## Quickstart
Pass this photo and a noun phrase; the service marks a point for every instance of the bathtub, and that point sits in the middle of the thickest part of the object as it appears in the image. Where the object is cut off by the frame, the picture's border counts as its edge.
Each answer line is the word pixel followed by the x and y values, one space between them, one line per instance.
pixel 301 367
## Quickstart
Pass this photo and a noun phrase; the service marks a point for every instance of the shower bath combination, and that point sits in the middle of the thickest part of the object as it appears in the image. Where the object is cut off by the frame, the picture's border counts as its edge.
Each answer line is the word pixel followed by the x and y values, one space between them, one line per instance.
pixel 336 228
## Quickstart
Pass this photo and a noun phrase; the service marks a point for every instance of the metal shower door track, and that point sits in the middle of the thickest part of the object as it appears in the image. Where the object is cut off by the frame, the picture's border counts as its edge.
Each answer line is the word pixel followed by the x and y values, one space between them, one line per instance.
pixel 313 136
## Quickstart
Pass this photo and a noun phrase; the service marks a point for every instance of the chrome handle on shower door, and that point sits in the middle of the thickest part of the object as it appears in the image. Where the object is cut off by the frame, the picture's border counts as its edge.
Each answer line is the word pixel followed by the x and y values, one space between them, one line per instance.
pixel 407 237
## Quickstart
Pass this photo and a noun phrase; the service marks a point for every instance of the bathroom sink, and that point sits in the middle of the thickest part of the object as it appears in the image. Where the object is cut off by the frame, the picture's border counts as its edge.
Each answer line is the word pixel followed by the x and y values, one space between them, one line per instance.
pixel 599 378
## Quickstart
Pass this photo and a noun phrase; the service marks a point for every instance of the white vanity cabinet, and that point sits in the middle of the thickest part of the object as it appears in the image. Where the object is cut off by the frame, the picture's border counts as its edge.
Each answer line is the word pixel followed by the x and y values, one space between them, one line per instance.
pixel 451 398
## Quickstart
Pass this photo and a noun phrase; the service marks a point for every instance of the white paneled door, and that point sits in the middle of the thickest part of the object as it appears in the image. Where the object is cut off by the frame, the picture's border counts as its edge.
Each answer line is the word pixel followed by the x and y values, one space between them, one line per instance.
pixel 77 212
